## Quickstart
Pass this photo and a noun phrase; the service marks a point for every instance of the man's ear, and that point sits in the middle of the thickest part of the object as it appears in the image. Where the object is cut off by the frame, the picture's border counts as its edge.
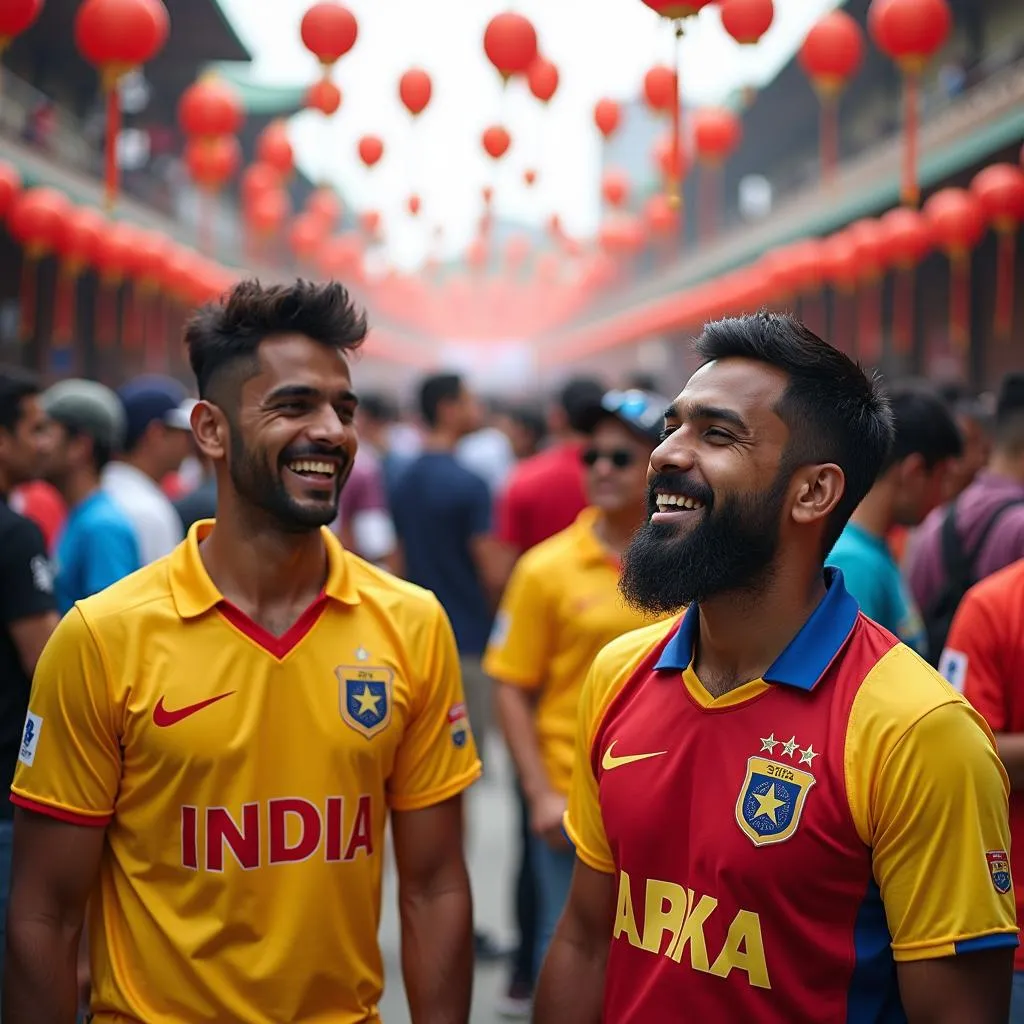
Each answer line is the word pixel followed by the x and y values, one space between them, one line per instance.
pixel 819 488
pixel 211 430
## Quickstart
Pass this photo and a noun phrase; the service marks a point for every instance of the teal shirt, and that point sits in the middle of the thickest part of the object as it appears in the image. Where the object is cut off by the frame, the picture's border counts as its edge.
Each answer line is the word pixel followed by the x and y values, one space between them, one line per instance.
pixel 873 577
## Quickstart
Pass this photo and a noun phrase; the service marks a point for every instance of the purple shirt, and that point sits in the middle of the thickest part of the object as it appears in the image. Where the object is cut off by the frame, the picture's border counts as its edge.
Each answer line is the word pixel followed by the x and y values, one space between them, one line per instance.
pixel 364 489
pixel 1005 543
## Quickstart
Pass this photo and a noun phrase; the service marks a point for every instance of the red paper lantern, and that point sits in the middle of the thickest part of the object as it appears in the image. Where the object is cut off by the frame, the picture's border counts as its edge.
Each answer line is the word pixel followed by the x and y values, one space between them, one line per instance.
pixel 150 258
pixel 747 20
pixel 542 77
pixel 661 218
pixel 496 141
pixel 615 187
pixel 118 35
pixel 15 17
pixel 670 160
pixel 325 96
pixel 868 240
pixel 906 238
pixel 78 239
pixel 10 186
pixel 476 253
pixel 510 42
pixel 371 149
pixel 607 115
pixel 1000 189
pixel 340 257
pixel 716 133
pixel 660 88
pixel 530 177
pixel 414 89
pixel 212 161
pixel 274 148
pixel 210 106
pixel 323 205
pixel 832 52
pixel 257 180
pixel 266 214
pixel 621 235
pixel 36 219
pixel 957 219
pixel 676 9
pixel 910 32
pixel 487 194
pixel 413 205
pixel 305 236
pixel 369 221
pixel 839 264
pixel 329 31
pixel 113 254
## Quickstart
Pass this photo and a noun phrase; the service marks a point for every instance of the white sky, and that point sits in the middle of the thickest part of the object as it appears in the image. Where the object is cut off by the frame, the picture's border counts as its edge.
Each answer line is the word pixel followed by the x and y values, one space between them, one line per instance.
pixel 601 47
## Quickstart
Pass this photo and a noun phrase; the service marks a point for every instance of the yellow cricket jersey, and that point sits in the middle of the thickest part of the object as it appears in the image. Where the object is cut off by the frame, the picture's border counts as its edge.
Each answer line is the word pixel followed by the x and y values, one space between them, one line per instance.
pixel 244 781
pixel 560 608
pixel 777 849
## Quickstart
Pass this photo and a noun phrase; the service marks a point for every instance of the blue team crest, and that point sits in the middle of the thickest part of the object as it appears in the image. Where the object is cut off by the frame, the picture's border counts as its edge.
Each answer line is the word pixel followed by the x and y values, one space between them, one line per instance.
pixel 999 869
pixel 365 698
pixel 771 800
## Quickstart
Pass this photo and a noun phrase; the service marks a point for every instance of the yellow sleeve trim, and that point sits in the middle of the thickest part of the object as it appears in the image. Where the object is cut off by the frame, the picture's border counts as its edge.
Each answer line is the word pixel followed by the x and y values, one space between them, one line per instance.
pixel 591 859
pixel 418 801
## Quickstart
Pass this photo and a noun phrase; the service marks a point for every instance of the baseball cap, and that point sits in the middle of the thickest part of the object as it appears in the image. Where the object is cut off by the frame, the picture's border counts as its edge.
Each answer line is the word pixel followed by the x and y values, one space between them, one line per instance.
pixel 643 412
pixel 87 407
pixel 180 418
pixel 148 399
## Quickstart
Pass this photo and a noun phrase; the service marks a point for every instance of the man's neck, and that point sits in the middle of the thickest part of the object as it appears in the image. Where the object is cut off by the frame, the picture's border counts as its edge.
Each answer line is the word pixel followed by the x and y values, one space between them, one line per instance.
pixel 615 530
pixel 1006 465
pixel 138 461
pixel 742 634
pixel 875 513
pixel 440 440
pixel 79 486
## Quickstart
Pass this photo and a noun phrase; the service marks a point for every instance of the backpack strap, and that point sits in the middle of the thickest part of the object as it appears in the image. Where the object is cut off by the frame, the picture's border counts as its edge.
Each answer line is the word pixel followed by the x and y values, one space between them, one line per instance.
pixel 979 544
pixel 960 564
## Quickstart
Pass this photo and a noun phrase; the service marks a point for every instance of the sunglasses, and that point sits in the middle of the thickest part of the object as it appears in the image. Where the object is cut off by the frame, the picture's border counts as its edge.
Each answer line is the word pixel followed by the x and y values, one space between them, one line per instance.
pixel 620 458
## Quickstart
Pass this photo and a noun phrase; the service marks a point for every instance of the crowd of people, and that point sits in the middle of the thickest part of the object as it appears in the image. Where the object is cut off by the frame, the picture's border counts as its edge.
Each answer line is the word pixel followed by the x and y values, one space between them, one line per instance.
pixel 435 578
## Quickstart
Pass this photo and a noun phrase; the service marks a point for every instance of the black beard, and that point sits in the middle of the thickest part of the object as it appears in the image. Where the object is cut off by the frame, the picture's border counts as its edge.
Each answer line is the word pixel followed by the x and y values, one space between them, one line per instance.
pixel 261 487
pixel 732 549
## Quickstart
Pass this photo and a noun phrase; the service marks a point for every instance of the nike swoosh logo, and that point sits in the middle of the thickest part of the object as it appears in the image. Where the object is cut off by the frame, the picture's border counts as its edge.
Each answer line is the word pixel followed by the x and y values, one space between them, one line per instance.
pixel 610 761
pixel 164 717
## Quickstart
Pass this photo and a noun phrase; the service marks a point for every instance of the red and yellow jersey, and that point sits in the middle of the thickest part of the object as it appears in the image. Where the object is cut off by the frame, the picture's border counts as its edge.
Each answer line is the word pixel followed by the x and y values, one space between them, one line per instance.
pixel 561 606
pixel 984 660
pixel 777 848
pixel 244 781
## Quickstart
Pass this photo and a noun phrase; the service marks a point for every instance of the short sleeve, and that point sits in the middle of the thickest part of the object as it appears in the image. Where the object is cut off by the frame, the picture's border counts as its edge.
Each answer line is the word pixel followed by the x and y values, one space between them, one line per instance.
pixel 941 839
pixel 437 757
pixel 69 764
pixel 519 650
pixel 26 589
pixel 507 527
pixel 480 507
pixel 583 821
pixel 970 660
pixel 111 555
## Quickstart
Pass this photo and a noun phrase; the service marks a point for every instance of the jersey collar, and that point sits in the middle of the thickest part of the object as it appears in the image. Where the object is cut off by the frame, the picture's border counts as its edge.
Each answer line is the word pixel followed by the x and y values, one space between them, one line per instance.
pixel 195 593
pixel 808 655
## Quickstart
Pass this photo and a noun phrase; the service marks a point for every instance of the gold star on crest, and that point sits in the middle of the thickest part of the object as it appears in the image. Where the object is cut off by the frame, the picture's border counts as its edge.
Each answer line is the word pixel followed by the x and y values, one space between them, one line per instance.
pixel 768 804
pixel 367 701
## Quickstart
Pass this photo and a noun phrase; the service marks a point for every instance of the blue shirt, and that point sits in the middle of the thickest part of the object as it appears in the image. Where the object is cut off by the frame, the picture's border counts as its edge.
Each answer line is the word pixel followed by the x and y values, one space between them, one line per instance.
pixel 97 548
pixel 440 506
pixel 874 579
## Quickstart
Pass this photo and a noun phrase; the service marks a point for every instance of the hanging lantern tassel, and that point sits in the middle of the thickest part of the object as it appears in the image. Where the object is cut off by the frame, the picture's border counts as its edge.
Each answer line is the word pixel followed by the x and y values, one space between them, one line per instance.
pixel 675 192
pixel 110 78
pixel 106 311
pixel 829 134
pixel 29 293
pixel 844 307
pixel 910 192
pixel 903 308
pixel 959 298
pixel 869 325
pixel 132 332
pixel 153 318
pixel 1006 252
pixel 64 306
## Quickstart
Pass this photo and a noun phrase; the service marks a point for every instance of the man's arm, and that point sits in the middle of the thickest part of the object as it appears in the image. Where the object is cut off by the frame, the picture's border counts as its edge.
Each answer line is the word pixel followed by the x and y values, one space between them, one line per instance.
pixel 972 987
pixel 571 986
pixel 436 911
pixel 30 635
pixel 54 868
pixel 517 714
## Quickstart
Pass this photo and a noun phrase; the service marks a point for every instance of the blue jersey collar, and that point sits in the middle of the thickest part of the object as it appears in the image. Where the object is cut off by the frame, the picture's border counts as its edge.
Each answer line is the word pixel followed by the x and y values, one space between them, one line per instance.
pixel 808 654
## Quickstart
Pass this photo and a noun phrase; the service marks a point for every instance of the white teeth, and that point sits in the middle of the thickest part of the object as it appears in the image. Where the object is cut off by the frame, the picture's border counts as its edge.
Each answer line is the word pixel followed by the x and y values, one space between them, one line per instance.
pixel 312 466
pixel 667 502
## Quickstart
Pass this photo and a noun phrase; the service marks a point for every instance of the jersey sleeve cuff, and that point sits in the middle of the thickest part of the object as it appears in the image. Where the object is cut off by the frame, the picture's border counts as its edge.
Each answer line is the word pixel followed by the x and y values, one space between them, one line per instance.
pixel 90 819
pixel 418 801
pixel 502 672
pixel 602 864
pixel 1004 939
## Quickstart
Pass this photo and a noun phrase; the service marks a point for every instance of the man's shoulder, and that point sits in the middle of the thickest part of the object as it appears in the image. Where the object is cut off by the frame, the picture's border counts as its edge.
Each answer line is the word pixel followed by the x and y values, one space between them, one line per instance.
pixel 131 602
pixel 1002 589
pixel 18 531
pixel 538 469
pixel 400 600
pixel 618 660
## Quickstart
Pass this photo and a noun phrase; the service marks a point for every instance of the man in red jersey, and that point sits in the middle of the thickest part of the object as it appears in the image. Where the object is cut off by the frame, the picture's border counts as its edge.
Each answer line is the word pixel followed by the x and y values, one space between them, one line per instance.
pixel 768 823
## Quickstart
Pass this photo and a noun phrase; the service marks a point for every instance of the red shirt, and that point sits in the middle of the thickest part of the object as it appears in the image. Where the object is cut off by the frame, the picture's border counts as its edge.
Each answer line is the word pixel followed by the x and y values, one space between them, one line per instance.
pixel 42 504
pixel 544 495
pixel 984 658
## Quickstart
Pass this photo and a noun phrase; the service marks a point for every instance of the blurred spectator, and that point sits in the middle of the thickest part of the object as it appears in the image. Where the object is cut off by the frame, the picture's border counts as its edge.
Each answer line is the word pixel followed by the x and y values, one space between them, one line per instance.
pixel 28 610
pixel 364 516
pixel 487 452
pixel 98 545
pixel 974 420
pixel 41 502
pixel 981 530
pixel 525 428
pixel 40 124
pixel 377 418
pixel 157 440
pixel 908 488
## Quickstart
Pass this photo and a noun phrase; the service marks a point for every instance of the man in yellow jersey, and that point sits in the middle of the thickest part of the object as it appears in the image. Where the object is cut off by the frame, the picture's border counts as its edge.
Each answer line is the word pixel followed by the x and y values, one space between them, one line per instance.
pixel 213 744
pixel 780 812
pixel 561 606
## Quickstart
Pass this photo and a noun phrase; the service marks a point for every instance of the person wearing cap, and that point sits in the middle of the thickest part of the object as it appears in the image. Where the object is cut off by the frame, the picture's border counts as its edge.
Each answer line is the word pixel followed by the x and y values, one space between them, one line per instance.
pixel 97 546
pixel 157 439
pixel 560 608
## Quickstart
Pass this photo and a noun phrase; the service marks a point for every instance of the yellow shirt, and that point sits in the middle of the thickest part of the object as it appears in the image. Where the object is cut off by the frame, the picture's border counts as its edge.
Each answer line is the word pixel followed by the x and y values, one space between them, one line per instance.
pixel 244 781
pixel 849 805
pixel 560 608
